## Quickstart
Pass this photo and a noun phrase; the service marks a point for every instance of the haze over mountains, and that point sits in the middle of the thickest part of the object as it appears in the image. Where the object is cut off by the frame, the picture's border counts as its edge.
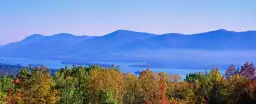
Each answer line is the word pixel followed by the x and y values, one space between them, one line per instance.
pixel 128 45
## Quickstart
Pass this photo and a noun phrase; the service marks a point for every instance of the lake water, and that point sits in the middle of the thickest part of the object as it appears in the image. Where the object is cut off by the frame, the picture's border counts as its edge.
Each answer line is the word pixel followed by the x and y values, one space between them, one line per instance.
pixel 124 66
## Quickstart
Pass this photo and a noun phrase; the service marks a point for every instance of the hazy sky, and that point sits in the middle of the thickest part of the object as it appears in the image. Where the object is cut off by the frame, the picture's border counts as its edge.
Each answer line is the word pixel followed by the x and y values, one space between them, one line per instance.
pixel 20 18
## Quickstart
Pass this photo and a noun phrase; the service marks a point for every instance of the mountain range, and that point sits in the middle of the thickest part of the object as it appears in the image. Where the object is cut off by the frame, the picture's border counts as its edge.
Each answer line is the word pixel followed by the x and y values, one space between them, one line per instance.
pixel 125 44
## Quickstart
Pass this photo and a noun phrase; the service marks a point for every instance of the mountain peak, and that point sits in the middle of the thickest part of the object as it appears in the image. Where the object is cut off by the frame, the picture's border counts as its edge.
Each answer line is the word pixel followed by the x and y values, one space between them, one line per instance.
pixel 122 30
pixel 34 36
pixel 118 33
pixel 220 30
pixel 128 33
pixel 63 35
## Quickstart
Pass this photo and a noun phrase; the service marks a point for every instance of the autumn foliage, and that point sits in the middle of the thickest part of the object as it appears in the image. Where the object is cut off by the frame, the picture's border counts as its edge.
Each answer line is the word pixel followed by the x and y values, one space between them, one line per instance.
pixel 98 85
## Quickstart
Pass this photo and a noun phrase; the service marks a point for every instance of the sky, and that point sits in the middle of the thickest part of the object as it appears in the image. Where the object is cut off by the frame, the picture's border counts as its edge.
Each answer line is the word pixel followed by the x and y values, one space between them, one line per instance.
pixel 21 18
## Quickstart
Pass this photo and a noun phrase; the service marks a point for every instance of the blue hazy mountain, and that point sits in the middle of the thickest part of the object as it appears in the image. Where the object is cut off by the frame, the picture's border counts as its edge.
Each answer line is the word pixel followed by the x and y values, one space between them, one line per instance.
pixel 112 41
pixel 119 44
pixel 42 46
pixel 218 39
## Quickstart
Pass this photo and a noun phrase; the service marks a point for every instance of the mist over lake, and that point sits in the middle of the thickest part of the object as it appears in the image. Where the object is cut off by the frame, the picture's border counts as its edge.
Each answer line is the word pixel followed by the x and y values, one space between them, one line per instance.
pixel 178 61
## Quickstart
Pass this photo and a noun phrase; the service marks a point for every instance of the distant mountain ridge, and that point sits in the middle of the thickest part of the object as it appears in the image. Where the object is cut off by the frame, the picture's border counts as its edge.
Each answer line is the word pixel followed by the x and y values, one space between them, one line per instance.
pixel 122 42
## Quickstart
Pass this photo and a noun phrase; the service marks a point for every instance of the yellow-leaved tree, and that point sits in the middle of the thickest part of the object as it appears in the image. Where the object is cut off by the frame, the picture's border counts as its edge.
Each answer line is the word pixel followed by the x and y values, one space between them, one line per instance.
pixel 149 82
pixel 37 87
pixel 104 82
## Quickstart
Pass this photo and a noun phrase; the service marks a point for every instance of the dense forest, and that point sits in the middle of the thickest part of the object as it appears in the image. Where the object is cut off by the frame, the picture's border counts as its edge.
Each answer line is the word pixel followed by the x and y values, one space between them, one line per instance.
pixel 98 85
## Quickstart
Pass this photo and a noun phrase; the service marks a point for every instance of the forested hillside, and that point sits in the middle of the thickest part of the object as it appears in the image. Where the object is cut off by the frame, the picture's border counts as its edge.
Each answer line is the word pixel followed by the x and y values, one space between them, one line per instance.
pixel 9 69
pixel 97 85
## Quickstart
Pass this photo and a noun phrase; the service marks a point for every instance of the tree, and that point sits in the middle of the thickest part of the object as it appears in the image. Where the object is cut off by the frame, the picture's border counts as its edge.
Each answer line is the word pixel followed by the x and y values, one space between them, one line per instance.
pixel 107 98
pixel 104 79
pixel 193 77
pixel 133 92
pixel 149 82
pixel 231 71
pixel 175 78
pixel 180 92
pixel 67 88
pixel 215 75
pixel 163 89
pixel 2 96
pixel 38 88
pixel 248 70
pixel 5 86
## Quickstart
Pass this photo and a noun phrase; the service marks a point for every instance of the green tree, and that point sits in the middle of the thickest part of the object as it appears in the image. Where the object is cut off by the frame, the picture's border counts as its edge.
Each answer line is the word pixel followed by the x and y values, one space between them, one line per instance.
pixel 67 88
pixel 106 97
pixel 5 85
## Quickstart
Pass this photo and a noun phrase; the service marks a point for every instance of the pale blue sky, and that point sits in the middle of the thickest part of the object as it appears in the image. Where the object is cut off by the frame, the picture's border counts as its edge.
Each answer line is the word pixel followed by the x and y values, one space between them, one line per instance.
pixel 20 18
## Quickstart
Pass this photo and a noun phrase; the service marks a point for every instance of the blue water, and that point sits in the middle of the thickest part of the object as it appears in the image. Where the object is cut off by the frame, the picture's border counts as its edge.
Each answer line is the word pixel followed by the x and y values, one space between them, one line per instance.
pixel 56 64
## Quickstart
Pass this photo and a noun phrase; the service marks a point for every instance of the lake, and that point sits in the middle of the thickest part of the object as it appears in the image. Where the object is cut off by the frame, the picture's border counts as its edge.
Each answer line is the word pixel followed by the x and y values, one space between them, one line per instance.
pixel 124 66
